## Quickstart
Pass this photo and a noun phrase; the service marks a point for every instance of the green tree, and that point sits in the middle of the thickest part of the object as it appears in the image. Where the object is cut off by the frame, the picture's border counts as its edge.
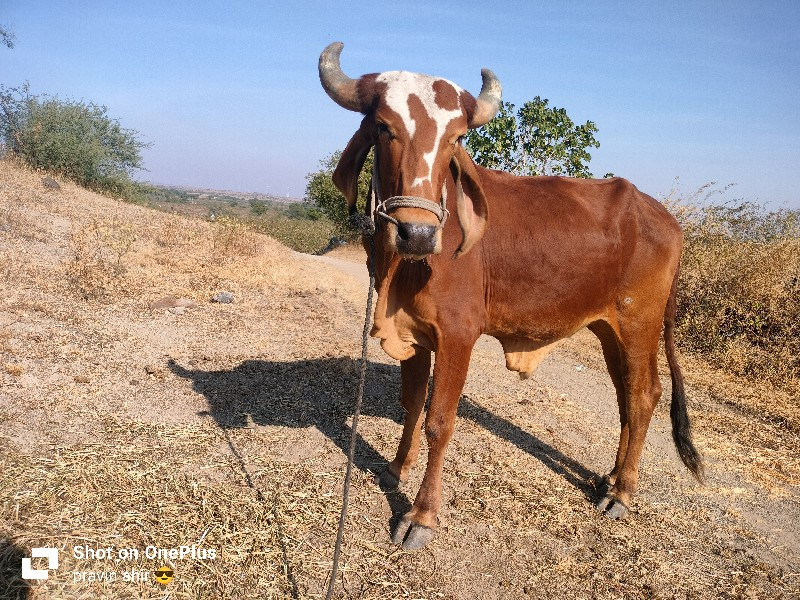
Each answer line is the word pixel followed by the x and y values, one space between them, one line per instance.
pixel 77 140
pixel 536 140
pixel 7 37
pixel 303 211
pixel 258 207
pixel 322 194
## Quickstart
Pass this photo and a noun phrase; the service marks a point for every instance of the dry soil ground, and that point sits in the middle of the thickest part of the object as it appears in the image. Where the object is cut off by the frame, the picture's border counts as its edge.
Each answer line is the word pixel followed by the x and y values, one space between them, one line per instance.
pixel 225 427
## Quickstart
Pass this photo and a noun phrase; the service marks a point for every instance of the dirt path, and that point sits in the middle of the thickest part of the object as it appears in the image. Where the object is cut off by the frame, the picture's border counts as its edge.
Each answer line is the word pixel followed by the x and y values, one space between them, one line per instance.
pixel 352 267
pixel 226 427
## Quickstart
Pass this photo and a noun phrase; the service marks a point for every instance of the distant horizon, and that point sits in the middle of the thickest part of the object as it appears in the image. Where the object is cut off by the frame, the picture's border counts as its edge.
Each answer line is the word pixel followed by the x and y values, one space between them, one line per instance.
pixel 229 96
pixel 193 188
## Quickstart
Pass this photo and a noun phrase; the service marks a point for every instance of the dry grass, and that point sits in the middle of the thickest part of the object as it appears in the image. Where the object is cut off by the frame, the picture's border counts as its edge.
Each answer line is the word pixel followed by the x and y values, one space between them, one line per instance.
pixel 739 294
pixel 73 497
pixel 15 216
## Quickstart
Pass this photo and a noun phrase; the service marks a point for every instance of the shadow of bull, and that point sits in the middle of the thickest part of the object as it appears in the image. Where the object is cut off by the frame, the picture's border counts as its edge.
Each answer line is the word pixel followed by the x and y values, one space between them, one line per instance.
pixel 320 393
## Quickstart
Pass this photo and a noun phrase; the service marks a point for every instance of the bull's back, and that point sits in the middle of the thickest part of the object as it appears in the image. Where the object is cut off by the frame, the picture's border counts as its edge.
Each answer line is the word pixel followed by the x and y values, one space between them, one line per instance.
pixel 561 252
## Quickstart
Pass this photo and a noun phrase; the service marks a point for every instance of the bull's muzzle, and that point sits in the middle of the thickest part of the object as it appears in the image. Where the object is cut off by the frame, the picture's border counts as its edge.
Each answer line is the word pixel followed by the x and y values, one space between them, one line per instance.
pixel 414 229
pixel 417 240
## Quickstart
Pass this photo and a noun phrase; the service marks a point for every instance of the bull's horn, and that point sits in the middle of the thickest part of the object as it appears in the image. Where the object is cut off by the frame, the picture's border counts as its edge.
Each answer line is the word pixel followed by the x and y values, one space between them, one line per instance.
pixel 488 100
pixel 339 86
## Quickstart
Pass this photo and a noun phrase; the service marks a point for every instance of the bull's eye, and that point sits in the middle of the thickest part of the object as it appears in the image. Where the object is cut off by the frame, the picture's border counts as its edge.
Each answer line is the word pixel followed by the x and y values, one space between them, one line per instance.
pixel 383 129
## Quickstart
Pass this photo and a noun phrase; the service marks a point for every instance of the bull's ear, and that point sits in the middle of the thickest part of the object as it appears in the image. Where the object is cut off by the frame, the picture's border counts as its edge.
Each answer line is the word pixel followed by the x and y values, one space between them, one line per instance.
pixel 471 206
pixel 345 176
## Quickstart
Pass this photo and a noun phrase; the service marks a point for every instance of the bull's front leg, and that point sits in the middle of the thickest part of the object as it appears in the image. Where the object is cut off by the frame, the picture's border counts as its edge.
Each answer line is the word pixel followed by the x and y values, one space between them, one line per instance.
pixel 415 373
pixel 417 526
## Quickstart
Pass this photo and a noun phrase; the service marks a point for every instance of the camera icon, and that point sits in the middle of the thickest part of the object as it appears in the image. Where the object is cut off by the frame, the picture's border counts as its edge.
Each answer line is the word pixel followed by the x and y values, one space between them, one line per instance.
pixel 51 554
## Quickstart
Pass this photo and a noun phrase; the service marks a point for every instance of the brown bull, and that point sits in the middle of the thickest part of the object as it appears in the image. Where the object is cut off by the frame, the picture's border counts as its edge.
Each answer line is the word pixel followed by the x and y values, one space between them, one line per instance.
pixel 527 260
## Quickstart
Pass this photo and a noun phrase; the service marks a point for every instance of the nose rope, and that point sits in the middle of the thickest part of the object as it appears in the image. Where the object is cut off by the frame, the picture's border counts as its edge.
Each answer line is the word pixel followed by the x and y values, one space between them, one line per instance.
pixel 381 208
pixel 412 202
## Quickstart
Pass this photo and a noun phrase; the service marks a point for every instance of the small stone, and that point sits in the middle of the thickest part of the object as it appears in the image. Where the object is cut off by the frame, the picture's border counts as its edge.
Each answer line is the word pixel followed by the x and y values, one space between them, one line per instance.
pixel 81 379
pixel 177 310
pixel 150 369
pixel 50 183
pixel 222 297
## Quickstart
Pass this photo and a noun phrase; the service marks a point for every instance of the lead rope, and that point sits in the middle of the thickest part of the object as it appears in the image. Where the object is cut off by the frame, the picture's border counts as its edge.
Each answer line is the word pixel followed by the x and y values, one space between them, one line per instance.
pixel 367 224
pixel 368 228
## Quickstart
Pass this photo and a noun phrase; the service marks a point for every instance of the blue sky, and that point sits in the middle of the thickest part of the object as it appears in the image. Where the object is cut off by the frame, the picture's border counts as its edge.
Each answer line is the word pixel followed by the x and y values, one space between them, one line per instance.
pixel 229 97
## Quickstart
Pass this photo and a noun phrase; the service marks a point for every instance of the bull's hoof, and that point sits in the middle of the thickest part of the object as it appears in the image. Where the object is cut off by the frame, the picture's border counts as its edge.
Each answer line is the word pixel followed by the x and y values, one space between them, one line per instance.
pixel 412 535
pixel 388 481
pixel 617 511
pixel 612 507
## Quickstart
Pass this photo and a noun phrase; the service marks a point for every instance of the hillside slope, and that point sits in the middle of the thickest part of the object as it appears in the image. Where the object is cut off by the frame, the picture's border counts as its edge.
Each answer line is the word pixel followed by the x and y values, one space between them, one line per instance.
pixel 225 426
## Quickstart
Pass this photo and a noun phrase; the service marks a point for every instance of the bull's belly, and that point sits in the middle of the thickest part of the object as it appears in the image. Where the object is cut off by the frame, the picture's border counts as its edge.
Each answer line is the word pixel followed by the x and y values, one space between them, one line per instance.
pixel 526 347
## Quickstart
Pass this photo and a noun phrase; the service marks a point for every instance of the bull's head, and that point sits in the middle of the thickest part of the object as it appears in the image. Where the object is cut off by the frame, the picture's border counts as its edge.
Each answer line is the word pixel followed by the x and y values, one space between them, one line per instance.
pixel 416 124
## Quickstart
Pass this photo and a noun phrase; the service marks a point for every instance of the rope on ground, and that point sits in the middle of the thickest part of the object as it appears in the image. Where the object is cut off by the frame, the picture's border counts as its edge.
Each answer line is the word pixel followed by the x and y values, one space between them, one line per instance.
pixel 356 413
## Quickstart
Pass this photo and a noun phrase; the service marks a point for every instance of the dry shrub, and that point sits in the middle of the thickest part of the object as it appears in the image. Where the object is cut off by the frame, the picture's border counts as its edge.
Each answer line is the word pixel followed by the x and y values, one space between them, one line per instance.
pixel 95 269
pixel 232 237
pixel 739 294
pixel 175 232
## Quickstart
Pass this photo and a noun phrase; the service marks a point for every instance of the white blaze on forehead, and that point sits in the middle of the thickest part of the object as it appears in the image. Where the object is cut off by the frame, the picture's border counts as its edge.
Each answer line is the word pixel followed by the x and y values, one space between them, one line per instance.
pixel 400 85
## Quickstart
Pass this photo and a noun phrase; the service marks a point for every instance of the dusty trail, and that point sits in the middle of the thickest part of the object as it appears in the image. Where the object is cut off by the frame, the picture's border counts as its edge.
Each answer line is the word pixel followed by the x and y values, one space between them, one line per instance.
pixel 226 426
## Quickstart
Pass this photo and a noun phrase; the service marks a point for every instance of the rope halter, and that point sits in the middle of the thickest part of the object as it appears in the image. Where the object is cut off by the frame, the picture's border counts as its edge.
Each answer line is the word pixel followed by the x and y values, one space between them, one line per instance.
pixel 381 208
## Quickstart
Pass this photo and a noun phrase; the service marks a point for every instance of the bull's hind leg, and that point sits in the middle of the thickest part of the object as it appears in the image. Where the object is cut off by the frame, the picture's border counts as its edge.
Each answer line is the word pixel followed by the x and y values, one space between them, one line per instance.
pixel 637 347
pixel 613 358
pixel 415 373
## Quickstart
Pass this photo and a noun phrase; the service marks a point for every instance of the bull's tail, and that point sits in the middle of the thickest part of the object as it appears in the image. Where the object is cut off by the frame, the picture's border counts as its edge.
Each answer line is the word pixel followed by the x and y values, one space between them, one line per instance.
pixel 681 428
